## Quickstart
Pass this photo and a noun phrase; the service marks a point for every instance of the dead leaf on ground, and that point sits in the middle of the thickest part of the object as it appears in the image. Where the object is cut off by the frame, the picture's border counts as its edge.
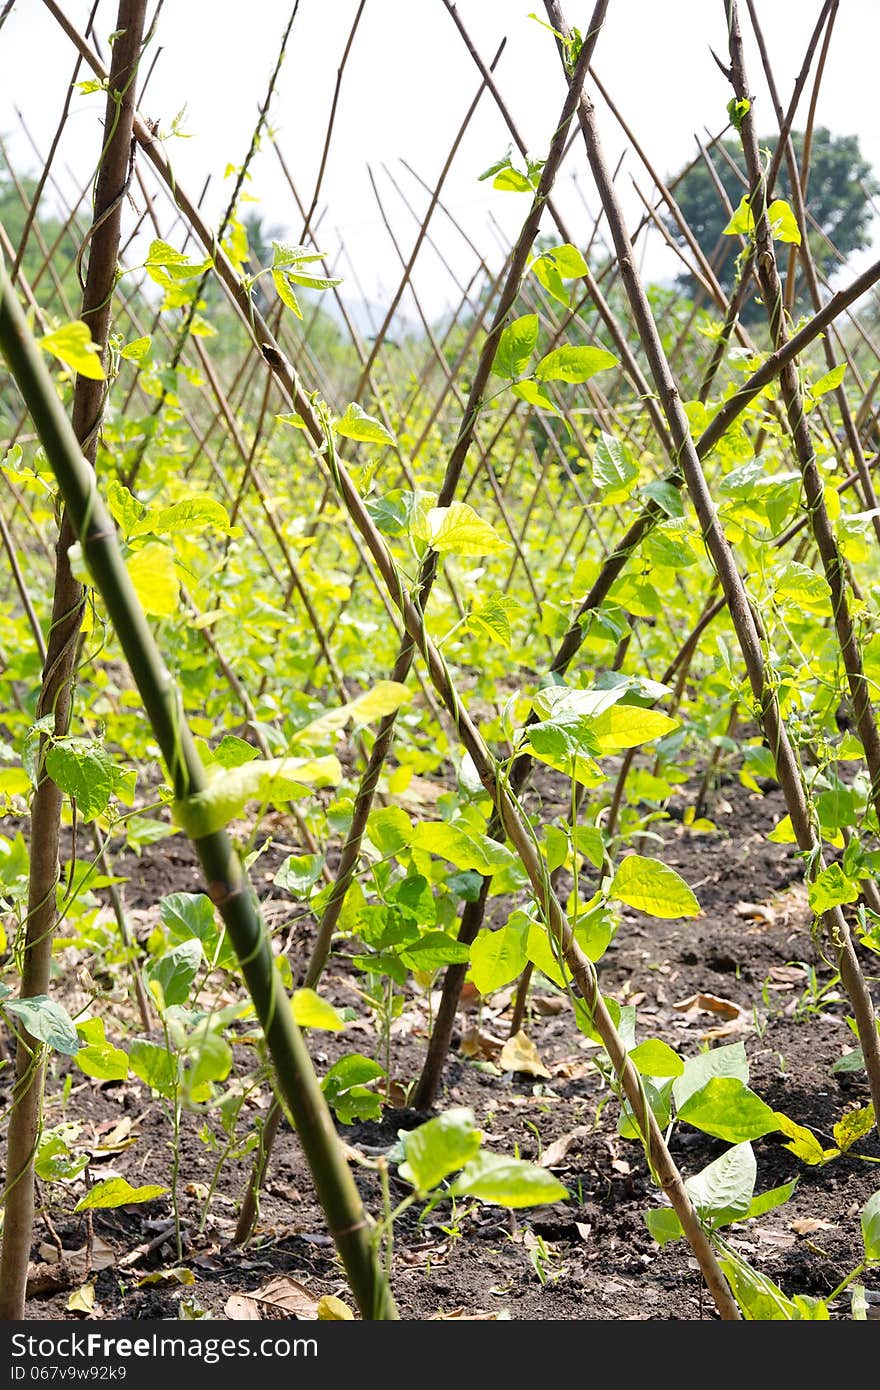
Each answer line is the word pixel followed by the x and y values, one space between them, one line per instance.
pixel 708 1003
pixel 548 1005
pixel 519 1054
pixel 476 1042
pixel 555 1154
pixel 782 1240
pixel 103 1255
pixel 727 1030
pixel 806 1225
pixel 584 1229
pixel 238 1308
pixel 761 912
pixel 571 1068
pixel 278 1298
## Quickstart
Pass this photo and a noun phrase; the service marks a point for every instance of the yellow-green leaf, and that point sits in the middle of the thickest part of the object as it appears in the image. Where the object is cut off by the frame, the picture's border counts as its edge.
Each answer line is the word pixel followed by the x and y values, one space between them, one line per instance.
pixel 153 574
pixel 311 1011
pixel 381 699
pixel 267 780
pixel 628 726
pixel 72 344
pixel 357 424
pixel 116 1192
pixel 783 223
pixel 458 530
pixel 651 886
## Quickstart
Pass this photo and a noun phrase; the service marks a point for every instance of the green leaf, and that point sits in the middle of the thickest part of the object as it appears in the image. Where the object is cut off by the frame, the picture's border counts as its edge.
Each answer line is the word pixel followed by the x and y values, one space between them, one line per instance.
pixel 83 769
pixel 508 1182
pixel 566 260
pixel 727 1109
pixel 802 586
pixel 190 515
pixel 171 977
pixel 497 957
pixel 46 1021
pixel 871 1227
pixel 357 424
pixel 830 888
pixel 653 1057
pixel 154 575
pixel 188 915
pixel 102 1061
pixel 652 887
pixel 629 726
pixel 168 267
pixel 390 829
pixel 492 617
pixel 72 344
pixel 136 350
pixel 515 346
pixel 285 292
pixel 663 1225
pixel 463 848
pixel 613 471
pixel 783 223
pixel 458 530
pixel 438 1148
pixel 116 1192
pixel 155 1065
pixel 759 1299
pixel 770 1200
pixel 666 496
pixel 311 1011
pixel 266 780
pixel 829 382
pixel 383 698
pixel 574 364
pixel 722 1191
pixel 742 223
pixel 212 1062
pixel 533 394
pixel 434 950
pixel 299 873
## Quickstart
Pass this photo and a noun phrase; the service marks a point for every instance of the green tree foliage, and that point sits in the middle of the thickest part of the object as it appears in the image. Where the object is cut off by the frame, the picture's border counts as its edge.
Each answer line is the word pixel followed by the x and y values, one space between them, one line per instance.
pixel 839 187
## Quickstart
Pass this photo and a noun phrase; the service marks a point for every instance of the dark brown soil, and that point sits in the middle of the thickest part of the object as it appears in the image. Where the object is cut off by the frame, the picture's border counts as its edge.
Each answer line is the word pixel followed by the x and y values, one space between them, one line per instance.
pixel 590 1257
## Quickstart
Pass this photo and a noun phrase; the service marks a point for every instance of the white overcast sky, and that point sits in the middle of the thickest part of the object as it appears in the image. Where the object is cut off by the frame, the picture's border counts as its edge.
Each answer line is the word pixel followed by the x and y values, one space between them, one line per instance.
pixel 406 89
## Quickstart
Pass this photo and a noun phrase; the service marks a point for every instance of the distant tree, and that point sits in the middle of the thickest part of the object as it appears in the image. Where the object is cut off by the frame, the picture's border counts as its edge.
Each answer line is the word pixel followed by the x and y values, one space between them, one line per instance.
pixel 838 189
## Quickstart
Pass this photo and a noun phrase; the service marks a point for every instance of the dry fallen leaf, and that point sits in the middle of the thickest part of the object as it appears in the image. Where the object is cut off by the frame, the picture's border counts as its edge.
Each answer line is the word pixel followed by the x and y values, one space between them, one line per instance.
pixel 476 1042
pixel 761 912
pixel 806 1225
pixel 103 1255
pixel 708 1003
pixel 284 1297
pixel 519 1054
pixel 241 1309
pixel 584 1229
pixel 549 1004
pixel 554 1155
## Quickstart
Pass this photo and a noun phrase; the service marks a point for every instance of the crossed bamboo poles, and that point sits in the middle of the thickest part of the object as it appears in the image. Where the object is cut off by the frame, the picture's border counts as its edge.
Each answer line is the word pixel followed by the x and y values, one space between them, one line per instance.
pixel 371 546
